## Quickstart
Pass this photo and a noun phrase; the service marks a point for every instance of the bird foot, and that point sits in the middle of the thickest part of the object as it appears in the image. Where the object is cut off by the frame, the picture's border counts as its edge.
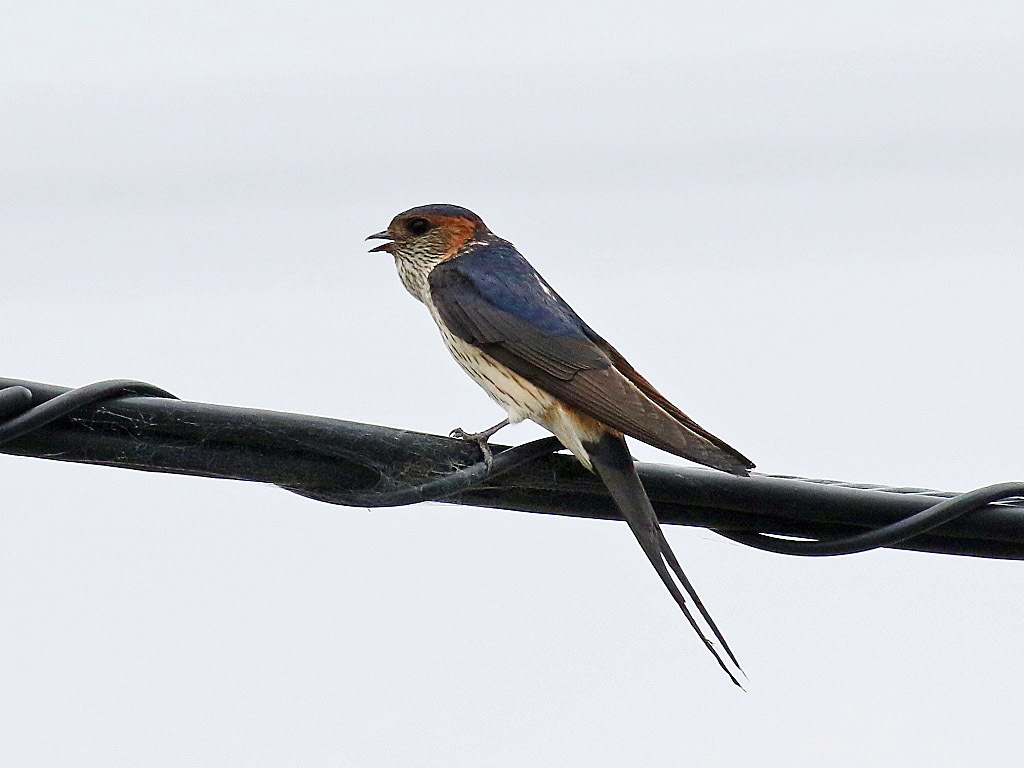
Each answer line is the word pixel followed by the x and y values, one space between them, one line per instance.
pixel 480 438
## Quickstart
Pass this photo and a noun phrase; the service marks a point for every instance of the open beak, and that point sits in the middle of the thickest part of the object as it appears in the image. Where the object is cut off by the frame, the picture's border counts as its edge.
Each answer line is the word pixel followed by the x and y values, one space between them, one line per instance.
pixel 385 235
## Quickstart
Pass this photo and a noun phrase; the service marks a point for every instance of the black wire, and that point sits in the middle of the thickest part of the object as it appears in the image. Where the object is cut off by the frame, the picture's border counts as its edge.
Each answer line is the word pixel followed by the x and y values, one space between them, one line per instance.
pixel 456 482
pixel 17 399
pixel 68 402
pixel 887 535
pixel 14 400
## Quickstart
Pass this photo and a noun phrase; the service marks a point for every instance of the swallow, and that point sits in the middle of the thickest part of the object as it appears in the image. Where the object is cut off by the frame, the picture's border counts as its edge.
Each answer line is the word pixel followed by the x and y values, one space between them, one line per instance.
pixel 539 360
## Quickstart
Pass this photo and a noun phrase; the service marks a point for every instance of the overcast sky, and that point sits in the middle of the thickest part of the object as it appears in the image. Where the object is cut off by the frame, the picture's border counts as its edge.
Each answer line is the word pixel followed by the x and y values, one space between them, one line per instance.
pixel 803 222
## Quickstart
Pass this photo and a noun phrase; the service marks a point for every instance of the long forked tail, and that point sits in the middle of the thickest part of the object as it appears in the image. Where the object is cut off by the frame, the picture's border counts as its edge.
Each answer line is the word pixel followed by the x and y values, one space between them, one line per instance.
pixel 612 462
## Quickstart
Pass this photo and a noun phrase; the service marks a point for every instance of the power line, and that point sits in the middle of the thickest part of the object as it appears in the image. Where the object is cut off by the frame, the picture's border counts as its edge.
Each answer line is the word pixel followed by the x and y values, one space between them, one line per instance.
pixel 139 426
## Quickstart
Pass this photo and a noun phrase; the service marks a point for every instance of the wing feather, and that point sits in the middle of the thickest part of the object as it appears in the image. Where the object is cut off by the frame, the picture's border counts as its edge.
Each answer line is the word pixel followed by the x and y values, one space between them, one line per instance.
pixel 491 297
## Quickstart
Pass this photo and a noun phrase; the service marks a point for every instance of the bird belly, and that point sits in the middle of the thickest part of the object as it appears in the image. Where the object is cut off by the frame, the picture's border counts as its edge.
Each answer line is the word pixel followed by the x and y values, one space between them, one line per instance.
pixel 522 400
pixel 508 389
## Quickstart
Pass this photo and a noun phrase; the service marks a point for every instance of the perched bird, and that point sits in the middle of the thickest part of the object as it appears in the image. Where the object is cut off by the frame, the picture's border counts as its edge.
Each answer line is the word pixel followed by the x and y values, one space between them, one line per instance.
pixel 533 354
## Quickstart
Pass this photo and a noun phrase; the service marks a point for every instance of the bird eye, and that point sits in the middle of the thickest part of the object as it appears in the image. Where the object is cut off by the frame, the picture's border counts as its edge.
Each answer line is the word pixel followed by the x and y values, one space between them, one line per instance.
pixel 418 226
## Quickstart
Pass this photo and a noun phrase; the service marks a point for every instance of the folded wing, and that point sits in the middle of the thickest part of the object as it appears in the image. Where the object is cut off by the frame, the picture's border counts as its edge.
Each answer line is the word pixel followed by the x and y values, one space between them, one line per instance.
pixel 492 298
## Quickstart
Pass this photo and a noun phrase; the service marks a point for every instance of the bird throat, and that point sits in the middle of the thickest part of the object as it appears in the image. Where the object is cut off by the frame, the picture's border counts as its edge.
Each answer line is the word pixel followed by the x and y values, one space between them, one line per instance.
pixel 413 268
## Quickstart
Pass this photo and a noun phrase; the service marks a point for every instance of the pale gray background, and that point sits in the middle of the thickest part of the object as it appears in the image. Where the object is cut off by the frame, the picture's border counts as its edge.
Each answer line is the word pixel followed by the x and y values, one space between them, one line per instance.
pixel 802 221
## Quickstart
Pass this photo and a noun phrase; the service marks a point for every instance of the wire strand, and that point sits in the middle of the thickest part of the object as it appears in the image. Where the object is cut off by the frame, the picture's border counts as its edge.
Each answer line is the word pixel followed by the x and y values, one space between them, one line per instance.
pixel 894 533
pixel 134 424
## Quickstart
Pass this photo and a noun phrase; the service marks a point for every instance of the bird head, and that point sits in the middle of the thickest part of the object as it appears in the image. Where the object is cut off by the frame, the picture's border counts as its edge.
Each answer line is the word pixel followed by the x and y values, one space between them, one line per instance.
pixel 436 232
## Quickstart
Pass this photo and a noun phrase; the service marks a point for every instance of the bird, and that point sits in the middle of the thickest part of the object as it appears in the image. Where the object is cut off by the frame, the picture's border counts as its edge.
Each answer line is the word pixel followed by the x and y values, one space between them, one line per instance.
pixel 526 347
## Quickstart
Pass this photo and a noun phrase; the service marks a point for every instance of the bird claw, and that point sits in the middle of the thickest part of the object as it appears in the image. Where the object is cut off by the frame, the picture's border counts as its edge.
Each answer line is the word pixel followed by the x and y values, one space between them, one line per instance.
pixel 480 438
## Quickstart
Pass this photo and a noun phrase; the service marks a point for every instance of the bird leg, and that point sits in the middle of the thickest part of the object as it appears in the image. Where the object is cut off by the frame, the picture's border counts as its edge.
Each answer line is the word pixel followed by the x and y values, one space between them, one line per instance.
pixel 480 438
